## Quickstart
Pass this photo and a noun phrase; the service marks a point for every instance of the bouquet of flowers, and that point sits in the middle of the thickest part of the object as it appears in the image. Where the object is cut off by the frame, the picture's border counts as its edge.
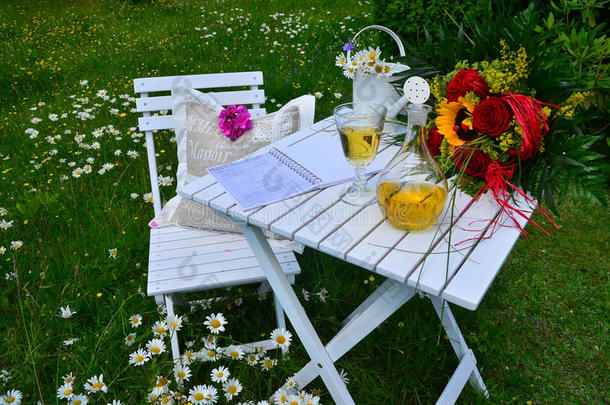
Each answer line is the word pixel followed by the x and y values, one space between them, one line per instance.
pixel 366 61
pixel 489 128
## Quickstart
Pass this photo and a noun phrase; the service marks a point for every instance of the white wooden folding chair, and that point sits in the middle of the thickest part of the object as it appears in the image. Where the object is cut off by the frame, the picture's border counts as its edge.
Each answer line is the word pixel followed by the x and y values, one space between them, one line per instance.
pixel 183 260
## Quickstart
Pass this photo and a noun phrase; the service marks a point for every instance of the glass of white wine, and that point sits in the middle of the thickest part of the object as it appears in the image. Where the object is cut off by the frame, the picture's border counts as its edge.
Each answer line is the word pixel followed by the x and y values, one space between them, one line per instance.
pixel 360 126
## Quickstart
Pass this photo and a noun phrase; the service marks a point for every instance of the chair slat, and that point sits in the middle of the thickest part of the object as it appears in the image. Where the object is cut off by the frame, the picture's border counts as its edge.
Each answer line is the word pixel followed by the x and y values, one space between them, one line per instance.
pixel 184 284
pixel 200 266
pixel 241 97
pixel 204 81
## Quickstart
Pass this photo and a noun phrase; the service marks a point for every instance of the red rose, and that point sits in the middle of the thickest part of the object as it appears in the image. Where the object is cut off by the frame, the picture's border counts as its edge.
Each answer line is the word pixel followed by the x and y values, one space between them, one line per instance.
pixel 434 142
pixel 478 161
pixel 491 116
pixel 466 81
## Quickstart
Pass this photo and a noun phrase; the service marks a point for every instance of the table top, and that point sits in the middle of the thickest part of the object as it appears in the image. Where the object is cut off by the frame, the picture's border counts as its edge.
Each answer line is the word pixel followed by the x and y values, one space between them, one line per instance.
pixel 457 259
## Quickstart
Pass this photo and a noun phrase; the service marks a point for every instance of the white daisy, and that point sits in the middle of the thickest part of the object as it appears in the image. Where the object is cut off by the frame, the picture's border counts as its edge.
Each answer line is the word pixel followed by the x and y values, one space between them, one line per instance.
pixel 281 338
pixel 215 323
pixel 161 386
pixel 235 352
pixel 220 374
pixel 115 402
pixel 252 359
pixel 77 172
pixel 341 60
pixel 189 356
pixel 209 341
pixel 12 397
pixel 291 382
pixel 323 294
pixel 112 253
pixel 267 363
pixel 5 375
pixel 210 354
pixel 174 322
pixel 166 400
pixel 66 391
pixel 139 357
pixel 132 154
pixel 280 397
pixel 16 244
pixel 135 320
pixel 71 341
pixel 134 195
pixel 156 346
pixel 68 379
pixel 4 224
pixel 96 384
pixel 232 388
pixel 203 394
pixel 129 339
pixel 79 400
pixel 182 373
pixel 161 309
pixel 160 328
pixel 318 94
pixel 148 197
pixel 66 312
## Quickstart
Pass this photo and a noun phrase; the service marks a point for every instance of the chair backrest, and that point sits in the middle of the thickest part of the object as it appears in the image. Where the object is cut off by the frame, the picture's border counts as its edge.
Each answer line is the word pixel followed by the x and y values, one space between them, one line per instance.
pixel 156 109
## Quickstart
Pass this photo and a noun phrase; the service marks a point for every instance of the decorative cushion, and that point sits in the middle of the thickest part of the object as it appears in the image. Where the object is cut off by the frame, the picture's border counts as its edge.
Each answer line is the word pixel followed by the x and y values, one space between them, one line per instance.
pixel 201 144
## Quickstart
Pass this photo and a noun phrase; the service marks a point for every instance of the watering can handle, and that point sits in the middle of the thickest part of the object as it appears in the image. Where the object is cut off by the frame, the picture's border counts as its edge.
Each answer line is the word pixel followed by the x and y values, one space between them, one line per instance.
pixel 401 48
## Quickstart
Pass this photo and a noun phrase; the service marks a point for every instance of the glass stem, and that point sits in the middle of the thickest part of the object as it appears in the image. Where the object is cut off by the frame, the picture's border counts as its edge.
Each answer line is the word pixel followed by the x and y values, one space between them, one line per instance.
pixel 360 180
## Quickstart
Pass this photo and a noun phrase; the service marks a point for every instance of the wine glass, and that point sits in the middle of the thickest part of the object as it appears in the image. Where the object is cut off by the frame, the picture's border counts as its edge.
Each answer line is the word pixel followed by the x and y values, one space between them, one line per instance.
pixel 360 126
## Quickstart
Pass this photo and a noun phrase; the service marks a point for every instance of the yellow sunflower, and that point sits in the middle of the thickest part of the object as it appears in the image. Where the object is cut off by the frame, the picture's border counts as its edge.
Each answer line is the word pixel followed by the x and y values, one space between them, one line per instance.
pixel 454 121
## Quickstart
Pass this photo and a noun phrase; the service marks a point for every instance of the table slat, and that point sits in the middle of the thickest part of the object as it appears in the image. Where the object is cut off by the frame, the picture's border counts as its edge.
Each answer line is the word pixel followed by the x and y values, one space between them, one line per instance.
pixel 473 279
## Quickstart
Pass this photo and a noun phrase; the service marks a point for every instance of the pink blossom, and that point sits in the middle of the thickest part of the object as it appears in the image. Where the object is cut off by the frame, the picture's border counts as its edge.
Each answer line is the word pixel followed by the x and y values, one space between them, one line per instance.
pixel 234 121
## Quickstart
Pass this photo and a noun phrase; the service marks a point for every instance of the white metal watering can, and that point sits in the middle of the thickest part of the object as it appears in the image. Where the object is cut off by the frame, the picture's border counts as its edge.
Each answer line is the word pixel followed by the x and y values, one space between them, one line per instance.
pixel 372 89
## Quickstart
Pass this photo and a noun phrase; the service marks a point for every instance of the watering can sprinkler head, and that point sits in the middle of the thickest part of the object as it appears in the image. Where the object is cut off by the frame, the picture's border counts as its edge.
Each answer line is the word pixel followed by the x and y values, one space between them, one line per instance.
pixel 415 90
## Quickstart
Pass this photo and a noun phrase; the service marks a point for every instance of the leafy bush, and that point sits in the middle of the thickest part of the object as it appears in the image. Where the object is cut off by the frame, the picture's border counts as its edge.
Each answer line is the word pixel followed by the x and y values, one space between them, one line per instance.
pixel 569 49
pixel 409 18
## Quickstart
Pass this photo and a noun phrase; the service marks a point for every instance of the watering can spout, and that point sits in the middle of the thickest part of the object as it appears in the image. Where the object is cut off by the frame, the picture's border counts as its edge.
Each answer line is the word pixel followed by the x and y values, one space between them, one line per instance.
pixel 415 91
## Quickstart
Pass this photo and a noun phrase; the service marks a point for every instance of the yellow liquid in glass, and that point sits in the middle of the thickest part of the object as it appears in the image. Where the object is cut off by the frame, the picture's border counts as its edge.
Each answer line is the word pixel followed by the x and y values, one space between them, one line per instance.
pixel 360 144
pixel 411 206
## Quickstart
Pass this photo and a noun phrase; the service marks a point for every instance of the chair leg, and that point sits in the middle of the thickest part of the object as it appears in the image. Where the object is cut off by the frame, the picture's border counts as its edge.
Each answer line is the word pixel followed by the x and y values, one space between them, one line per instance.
pixel 169 303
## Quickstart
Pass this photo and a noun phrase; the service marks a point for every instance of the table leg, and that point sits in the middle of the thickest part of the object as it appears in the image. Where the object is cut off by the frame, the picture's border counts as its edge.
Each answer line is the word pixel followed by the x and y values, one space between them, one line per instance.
pixel 387 299
pixel 301 323
pixel 457 341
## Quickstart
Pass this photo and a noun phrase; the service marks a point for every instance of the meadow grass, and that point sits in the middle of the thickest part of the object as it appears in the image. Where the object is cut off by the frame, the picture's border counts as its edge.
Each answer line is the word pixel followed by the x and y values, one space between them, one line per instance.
pixel 540 335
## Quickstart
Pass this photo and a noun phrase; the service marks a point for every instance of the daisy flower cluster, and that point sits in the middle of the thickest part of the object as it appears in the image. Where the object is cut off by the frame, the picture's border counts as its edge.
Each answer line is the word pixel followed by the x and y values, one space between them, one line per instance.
pixel 179 384
pixel 366 61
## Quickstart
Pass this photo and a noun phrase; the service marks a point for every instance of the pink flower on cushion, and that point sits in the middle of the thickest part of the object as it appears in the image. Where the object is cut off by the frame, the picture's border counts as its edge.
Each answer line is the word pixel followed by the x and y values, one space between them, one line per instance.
pixel 234 121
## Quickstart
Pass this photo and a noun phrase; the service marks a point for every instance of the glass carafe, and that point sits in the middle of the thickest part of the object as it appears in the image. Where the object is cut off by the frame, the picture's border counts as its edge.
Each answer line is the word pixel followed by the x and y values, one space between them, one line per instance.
pixel 412 189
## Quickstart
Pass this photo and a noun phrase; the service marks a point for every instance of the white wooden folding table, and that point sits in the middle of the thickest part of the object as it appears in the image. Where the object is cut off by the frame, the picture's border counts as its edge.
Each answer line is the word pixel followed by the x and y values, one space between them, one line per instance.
pixel 455 261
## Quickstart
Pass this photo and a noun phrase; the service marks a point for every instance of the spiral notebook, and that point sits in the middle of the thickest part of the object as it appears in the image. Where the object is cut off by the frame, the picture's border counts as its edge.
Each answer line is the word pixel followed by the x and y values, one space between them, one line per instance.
pixel 286 172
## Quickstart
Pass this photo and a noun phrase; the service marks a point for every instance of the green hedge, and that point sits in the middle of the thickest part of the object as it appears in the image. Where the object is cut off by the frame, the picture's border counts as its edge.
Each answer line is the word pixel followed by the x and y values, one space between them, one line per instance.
pixel 408 17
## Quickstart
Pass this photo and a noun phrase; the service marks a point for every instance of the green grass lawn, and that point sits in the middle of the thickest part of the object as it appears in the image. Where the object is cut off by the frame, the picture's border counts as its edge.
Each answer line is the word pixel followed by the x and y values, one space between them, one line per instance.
pixel 540 335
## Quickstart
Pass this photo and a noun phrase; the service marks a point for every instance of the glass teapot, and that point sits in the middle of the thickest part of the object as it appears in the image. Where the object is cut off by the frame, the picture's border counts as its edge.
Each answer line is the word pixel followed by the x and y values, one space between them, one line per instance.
pixel 412 189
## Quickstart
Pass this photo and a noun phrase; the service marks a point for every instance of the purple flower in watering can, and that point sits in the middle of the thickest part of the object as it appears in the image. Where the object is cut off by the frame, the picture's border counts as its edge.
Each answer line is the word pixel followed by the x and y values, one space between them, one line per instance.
pixel 234 121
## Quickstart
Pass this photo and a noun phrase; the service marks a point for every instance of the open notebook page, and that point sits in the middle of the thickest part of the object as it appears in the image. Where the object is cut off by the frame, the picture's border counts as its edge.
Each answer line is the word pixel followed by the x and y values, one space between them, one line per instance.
pixel 323 156
pixel 259 180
